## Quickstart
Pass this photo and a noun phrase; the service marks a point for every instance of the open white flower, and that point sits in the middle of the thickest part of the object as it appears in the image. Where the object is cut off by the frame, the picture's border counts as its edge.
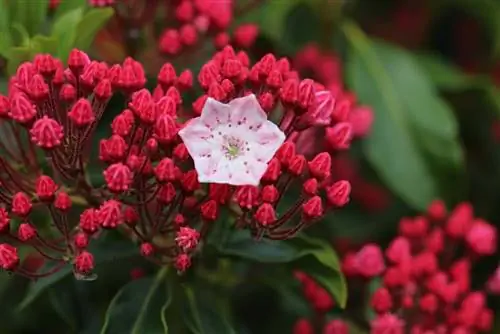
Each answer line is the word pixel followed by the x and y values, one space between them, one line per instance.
pixel 232 143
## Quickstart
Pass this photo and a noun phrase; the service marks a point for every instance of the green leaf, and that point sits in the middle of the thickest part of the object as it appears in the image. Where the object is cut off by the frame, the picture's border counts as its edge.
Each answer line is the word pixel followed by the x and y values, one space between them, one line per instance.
pixel 206 313
pixel 451 79
pixel 318 259
pixel 45 44
pixel 311 255
pixel 272 15
pixel 104 251
pixel 413 126
pixel 241 244
pixel 89 26
pixel 447 77
pixel 65 31
pixel 137 308
pixel 16 56
pixel 31 16
pixel 67 6
pixel 6 40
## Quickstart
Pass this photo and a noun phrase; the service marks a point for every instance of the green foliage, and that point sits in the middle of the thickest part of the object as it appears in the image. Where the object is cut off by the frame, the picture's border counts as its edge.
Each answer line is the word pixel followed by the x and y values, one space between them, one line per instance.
pixel 88 27
pixel 104 250
pixel 313 256
pixel 140 306
pixel 449 79
pixel 413 126
pixel 29 14
pixel 25 29
pixel 206 313
pixel 64 30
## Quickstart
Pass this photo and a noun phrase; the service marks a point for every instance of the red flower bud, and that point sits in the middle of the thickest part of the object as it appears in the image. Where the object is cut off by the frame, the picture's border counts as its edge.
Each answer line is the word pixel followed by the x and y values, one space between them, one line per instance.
pixel 21 204
pixel 338 193
pixel 84 262
pixel 339 136
pixel 209 210
pixel 321 165
pixel 26 232
pixel 81 114
pixel 45 188
pixel 9 259
pixel 265 215
pixel 313 208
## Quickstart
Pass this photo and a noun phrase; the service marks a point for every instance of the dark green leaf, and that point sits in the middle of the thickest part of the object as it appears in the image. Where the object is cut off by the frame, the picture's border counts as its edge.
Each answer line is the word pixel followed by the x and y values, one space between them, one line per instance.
pixel 137 308
pixel 65 30
pixel 89 26
pixel 413 126
pixel 318 259
pixel 206 314
pixel 6 39
pixel 312 255
pixel 103 251
pixel 241 244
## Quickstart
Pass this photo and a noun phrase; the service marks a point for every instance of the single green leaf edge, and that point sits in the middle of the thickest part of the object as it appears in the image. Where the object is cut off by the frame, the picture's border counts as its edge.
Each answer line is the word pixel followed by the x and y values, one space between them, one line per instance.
pixel 137 323
pixel 159 278
pixel 192 304
pixel 315 246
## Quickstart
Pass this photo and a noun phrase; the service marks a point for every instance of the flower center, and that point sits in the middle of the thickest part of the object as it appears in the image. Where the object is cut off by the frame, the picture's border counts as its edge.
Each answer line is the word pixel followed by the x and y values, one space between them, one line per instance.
pixel 233 147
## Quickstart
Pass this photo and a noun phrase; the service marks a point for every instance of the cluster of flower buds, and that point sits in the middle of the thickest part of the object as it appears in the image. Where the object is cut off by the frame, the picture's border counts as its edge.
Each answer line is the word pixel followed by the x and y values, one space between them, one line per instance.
pixel 166 171
pixel 184 26
pixel 195 18
pixel 426 273
pixel 325 67
pixel 322 303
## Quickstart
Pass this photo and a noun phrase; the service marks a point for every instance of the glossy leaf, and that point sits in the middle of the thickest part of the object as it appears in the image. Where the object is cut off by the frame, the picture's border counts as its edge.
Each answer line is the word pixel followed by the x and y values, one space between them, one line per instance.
pixel 65 31
pixel 318 259
pixel 103 251
pixel 413 126
pixel 311 255
pixel 241 244
pixel 93 21
pixel 137 308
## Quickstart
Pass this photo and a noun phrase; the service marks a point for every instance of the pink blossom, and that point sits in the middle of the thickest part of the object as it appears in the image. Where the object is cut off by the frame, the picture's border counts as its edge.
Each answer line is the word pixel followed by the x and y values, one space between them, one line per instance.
pixel 232 143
